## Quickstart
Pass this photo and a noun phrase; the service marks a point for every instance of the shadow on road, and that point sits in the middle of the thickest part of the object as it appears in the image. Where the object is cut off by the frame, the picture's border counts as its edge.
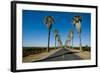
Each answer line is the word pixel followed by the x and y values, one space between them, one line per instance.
pixel 56 56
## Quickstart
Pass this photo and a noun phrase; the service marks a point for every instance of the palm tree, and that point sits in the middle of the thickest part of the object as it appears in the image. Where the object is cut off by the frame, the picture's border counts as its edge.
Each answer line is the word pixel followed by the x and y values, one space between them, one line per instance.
pixel 71 35
pixel 67 41
pixel 49 20
pixel 56 35
pixel 59 41
pixel 77 23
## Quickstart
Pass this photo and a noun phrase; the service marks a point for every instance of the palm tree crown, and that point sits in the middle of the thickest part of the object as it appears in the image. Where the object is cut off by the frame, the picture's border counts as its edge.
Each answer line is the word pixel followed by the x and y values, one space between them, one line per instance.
pixel 49 20
pixel 77 22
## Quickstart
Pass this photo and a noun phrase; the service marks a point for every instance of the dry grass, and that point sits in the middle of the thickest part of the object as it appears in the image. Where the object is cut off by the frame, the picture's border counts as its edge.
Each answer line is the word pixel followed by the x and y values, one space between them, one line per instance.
pixel 83 54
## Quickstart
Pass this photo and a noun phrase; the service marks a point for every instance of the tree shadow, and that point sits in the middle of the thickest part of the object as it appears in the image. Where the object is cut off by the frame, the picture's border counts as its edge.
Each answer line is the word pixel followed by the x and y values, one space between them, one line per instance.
pixel 56 56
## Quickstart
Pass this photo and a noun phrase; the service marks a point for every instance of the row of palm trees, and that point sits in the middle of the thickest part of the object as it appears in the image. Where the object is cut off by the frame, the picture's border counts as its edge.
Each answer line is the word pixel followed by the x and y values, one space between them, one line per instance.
pixel 49 20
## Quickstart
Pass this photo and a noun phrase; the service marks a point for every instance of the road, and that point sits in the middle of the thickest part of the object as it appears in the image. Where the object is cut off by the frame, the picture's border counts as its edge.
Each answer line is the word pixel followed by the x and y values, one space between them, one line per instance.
pixel 63 55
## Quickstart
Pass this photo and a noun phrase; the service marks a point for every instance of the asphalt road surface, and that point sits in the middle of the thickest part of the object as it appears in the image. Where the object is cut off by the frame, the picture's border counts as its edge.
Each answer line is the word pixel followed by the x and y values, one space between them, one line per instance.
pixel 62 55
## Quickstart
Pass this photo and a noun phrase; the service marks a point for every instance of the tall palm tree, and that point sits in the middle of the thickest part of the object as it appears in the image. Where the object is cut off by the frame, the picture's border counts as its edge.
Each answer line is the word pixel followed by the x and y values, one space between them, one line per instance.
pixel 49 20
pixel 56 35
pixel 71 35
pixel 77 23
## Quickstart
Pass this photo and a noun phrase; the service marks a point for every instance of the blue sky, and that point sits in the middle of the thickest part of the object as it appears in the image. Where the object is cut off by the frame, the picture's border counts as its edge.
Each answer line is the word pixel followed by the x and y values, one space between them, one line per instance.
pixel 35 32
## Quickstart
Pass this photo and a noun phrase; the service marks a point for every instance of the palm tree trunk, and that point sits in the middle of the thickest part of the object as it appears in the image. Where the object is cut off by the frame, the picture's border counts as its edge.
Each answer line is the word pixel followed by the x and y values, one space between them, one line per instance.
pixel 80 42
pixel 55 42
pixel 72 43
pixel 48 40
pixel 70 46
